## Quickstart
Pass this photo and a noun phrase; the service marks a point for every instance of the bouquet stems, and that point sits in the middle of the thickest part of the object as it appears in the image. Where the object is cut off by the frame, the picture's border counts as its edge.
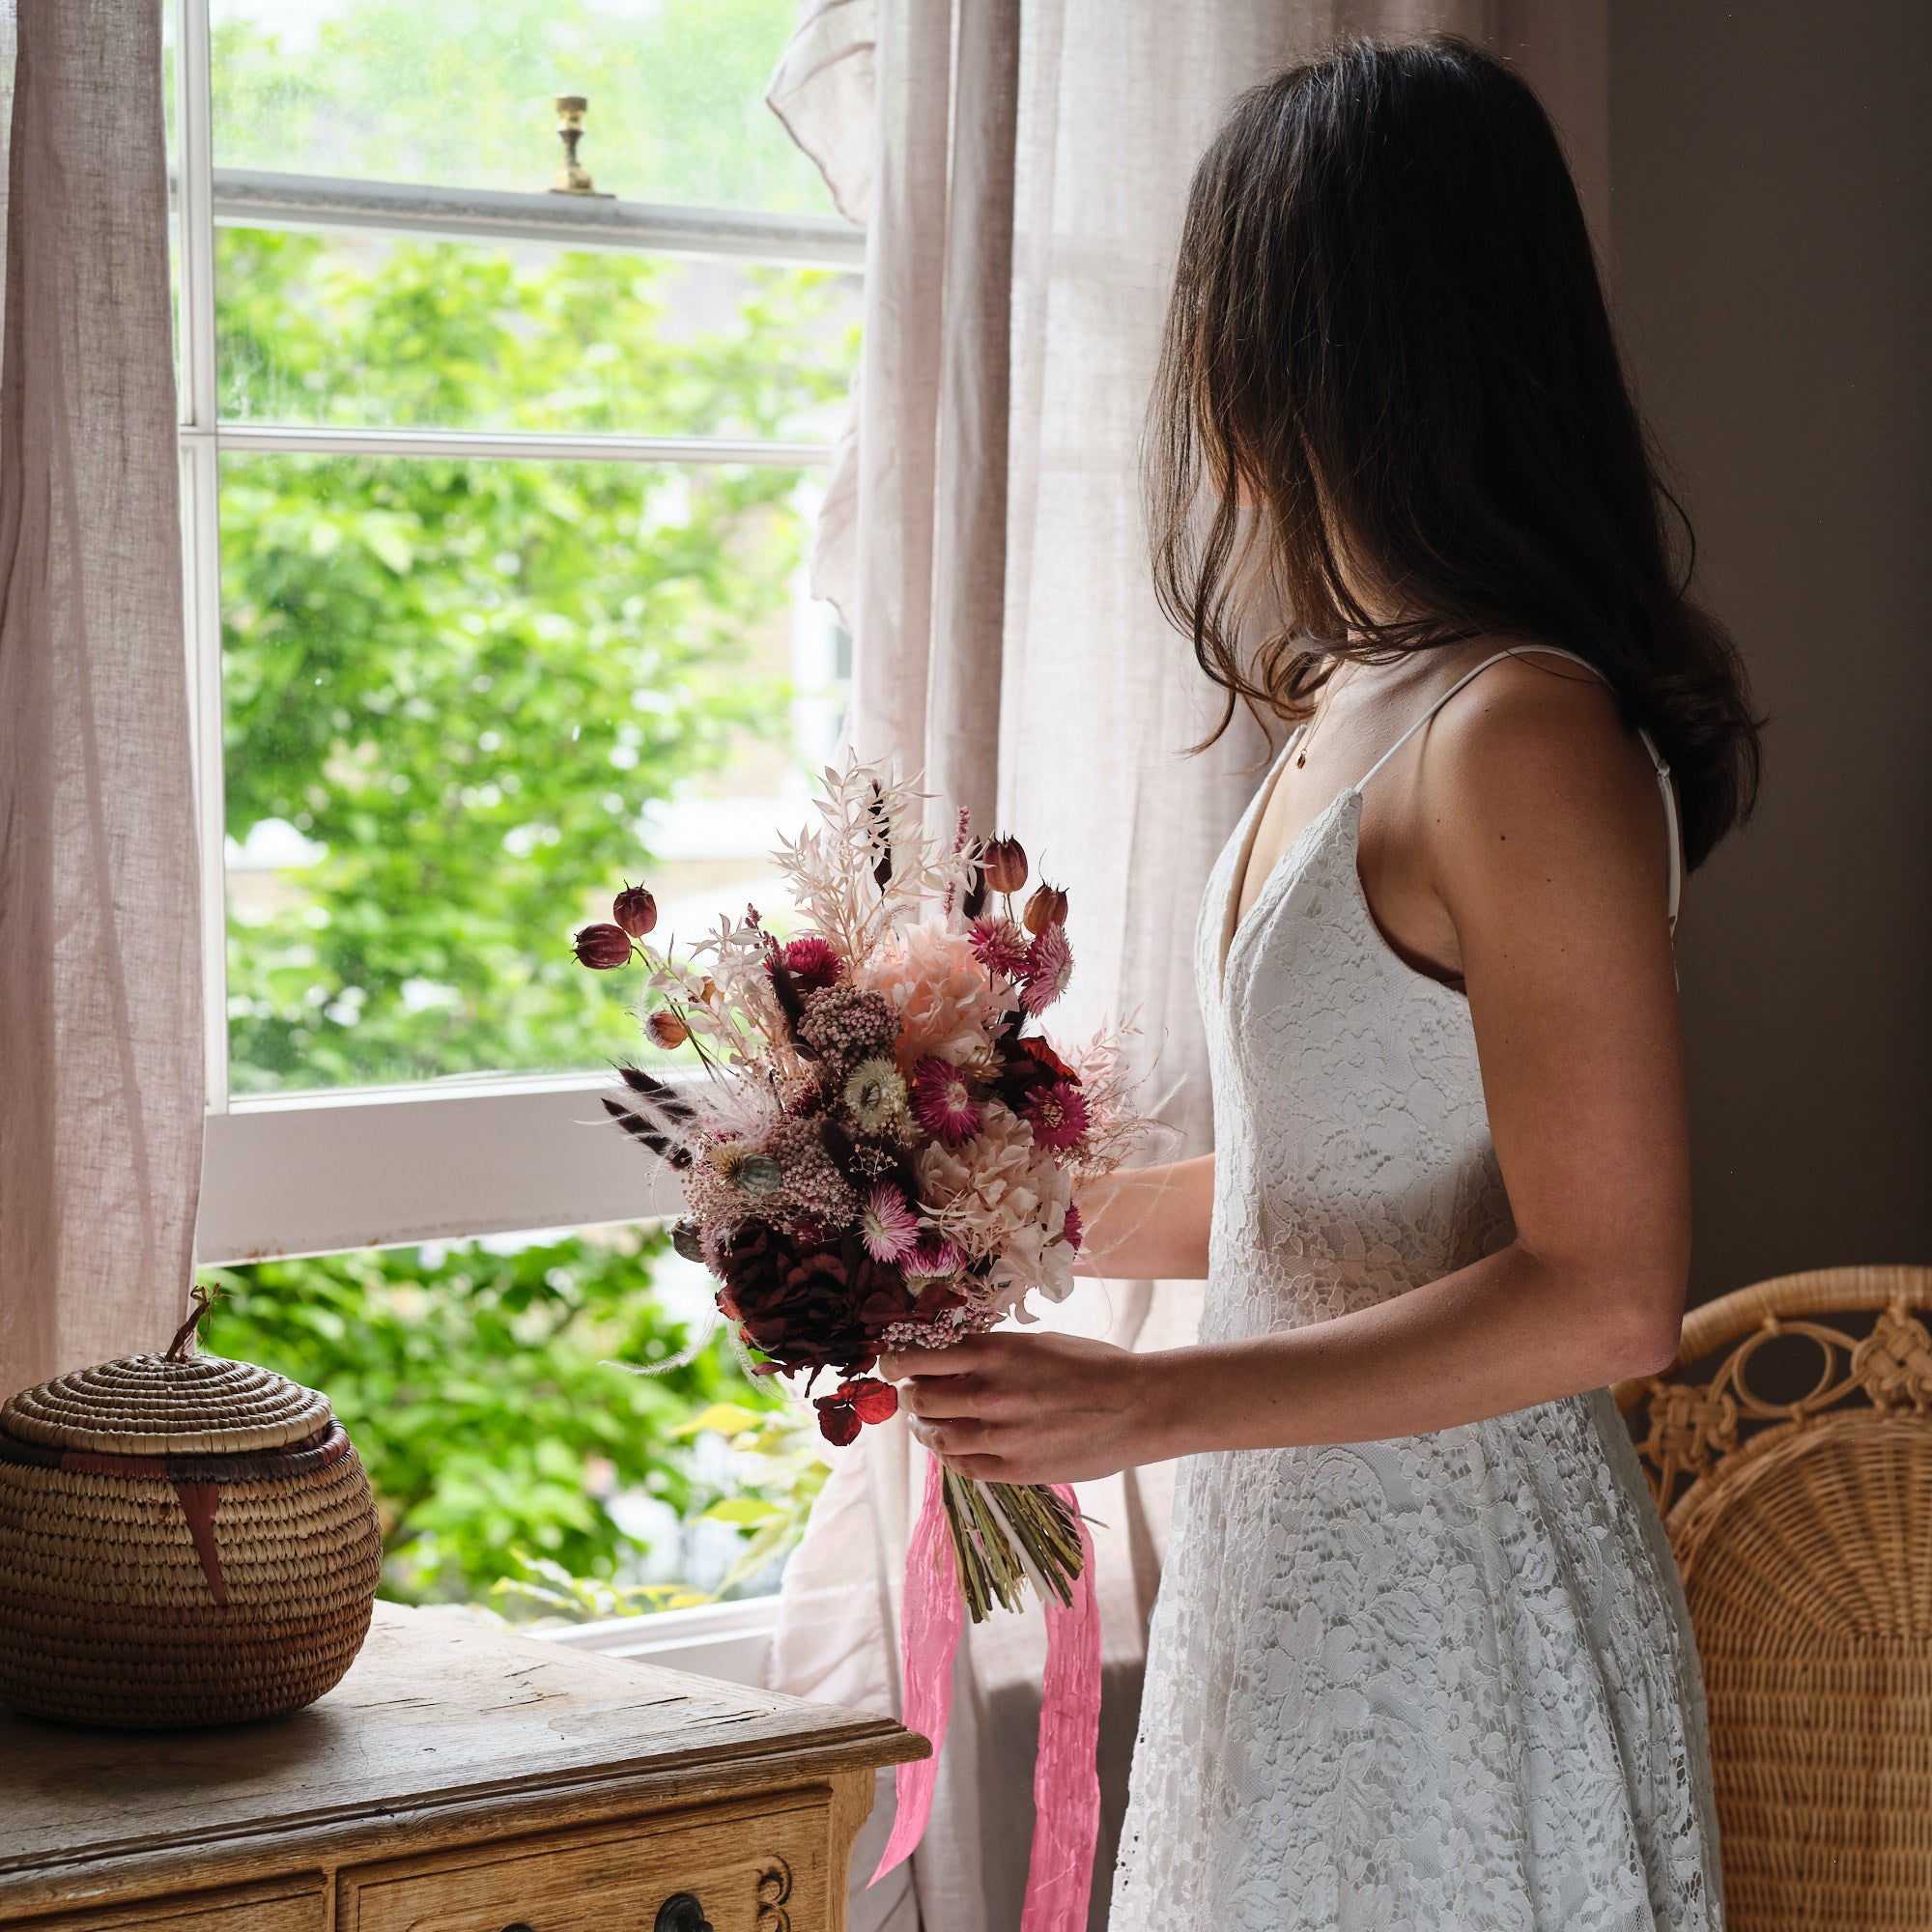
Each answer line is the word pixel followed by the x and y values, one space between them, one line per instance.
pixel 1006 1535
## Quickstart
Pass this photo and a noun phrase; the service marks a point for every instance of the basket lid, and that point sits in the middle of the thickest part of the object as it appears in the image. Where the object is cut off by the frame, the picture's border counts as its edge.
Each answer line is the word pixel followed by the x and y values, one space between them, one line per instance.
pixel 167 1404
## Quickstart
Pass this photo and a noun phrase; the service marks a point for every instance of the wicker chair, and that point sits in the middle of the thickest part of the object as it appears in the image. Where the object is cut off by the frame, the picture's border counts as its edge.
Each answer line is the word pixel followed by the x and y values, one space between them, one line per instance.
pixel 1789 1448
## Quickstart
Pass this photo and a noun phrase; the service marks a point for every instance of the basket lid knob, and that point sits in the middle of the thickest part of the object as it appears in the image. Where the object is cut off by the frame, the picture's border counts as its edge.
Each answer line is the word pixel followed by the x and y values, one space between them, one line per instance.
pixel 167 1404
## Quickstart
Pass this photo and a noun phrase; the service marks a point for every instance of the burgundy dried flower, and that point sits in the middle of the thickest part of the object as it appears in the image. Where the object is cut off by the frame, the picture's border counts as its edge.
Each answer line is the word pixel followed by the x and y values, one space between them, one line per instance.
pixel 942 1102
pixel 1057 1114
pixel 1047 907
pixel 999 946
pixel 931 1260
pixel 1073 1228
pixel 812 962
pixel 1049 967
pixel 1005 865
pixel 602 948
pixel 852 1404
pixel 809 1305
pixel 666 1028
pixel 635 910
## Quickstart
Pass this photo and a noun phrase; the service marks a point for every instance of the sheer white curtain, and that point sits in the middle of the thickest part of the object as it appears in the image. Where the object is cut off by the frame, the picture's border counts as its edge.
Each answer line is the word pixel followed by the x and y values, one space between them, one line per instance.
pixel 1021 167
pixel 101 1056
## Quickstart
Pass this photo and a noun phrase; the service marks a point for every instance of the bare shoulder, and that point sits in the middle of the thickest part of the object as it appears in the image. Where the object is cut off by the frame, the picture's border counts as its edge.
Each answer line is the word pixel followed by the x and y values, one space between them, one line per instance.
pixel 1530 760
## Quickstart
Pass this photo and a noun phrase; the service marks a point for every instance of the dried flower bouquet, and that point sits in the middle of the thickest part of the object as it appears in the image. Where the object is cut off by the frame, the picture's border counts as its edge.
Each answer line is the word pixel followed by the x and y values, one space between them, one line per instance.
pixel 883 1155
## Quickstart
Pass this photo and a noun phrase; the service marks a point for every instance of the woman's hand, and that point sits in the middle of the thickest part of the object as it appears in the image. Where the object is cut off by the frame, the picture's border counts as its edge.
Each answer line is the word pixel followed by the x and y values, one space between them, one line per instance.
pixel 1031 1408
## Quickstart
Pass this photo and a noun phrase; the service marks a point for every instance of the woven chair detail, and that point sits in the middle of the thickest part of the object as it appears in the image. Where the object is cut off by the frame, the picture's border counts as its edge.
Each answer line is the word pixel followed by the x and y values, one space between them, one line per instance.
pixel 1789 1449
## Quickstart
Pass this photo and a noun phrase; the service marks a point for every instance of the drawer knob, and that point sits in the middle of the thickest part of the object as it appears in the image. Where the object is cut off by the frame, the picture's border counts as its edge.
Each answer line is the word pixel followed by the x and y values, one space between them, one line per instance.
pixel 681 1913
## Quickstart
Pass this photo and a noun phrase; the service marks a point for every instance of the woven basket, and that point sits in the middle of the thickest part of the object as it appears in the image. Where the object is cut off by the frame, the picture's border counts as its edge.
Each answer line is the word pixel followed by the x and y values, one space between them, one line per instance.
pixel 1789 1447
pixel 183 1541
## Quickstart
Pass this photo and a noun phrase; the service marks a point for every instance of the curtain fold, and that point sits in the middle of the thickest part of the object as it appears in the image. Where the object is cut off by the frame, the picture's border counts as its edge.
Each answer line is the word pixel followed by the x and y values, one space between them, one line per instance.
pixel 100 1042
pixel 1021 168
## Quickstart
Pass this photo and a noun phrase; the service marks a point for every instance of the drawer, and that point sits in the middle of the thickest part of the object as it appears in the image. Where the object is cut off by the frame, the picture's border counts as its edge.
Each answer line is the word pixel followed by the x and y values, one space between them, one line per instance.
pixel 756 1866
pixel 299 1905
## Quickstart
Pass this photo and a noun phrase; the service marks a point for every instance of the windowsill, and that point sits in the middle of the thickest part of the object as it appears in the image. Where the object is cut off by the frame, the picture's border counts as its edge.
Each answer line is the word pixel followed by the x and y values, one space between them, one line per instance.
pixel 731 1641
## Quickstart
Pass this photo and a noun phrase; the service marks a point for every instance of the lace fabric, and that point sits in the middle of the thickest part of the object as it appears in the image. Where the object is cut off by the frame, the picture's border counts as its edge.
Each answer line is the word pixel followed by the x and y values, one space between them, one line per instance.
pixel 1440 1684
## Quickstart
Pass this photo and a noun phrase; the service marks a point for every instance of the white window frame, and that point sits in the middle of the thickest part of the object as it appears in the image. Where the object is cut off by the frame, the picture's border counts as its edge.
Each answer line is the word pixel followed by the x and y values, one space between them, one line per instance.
pixel 316 1173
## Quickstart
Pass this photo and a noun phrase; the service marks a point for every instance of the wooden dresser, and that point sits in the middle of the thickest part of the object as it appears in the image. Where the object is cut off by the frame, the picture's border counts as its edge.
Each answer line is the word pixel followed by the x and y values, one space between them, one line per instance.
pixel 458 1780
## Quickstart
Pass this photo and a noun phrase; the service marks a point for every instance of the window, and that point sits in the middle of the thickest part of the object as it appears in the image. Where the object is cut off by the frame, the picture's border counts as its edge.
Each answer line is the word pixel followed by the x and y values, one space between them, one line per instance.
pixel 495 501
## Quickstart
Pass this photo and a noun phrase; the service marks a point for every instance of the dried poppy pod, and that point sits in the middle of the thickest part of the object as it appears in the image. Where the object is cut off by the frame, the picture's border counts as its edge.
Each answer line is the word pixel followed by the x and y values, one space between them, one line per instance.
pixel 1005 865
pixel 1047 907
pixel 635 910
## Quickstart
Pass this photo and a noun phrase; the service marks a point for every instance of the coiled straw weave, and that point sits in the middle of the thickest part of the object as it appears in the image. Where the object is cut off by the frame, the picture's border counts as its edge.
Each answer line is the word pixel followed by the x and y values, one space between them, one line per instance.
pixel 183 1541
pixel 1790 1449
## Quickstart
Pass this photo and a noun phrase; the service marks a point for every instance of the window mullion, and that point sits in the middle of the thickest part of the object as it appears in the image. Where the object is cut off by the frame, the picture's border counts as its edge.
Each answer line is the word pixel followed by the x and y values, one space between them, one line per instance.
pixel 201 481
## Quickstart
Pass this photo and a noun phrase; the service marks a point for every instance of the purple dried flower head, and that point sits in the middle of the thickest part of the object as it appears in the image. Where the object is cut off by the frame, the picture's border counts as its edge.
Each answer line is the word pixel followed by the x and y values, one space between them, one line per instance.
pixel 812 962
pixel 635 910
pixel 1057 1114
pixel 999 945
pixel 1073 1228
pixel 942 1102
pixel 602 948
pixel 845 1022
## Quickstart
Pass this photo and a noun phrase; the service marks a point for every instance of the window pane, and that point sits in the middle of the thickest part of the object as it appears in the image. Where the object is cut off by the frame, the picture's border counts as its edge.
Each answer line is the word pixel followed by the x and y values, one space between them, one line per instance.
pixel 461 92
pixel 353 330
pixel 514 1466
pixel 465 700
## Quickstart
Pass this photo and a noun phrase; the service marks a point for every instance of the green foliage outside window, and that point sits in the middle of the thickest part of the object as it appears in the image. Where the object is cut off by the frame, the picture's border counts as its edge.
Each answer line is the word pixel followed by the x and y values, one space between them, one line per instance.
pixel 479 1391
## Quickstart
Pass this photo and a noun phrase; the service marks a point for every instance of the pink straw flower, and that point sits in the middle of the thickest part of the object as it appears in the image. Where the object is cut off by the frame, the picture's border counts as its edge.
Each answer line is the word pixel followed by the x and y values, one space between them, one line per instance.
pixel 1049 966
pixel 1057 1114
pixel 999 945
pixel 887 1225
pixel 1072 1227
pixel 812 962
pixel 932 1258
pixel 942 1102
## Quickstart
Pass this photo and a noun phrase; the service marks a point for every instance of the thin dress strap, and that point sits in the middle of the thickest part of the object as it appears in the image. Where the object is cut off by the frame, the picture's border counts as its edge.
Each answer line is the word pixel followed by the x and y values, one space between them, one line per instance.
pixel 1657 765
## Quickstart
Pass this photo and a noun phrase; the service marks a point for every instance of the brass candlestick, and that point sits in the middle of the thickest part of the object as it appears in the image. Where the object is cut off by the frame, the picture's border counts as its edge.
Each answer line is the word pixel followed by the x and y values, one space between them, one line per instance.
pixel 571 178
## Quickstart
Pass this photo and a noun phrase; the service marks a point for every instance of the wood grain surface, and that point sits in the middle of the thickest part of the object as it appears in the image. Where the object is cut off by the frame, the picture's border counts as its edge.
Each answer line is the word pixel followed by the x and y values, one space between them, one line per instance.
pixel 444 1735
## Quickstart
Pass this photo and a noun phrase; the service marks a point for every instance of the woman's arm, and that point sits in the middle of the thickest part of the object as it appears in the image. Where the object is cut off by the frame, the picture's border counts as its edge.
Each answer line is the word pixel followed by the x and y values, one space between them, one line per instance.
pixel 1545 843
pixel 1147 1223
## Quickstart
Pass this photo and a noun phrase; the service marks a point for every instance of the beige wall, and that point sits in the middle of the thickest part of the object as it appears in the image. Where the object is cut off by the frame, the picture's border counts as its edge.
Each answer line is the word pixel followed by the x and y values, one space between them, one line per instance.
pixel 1771 173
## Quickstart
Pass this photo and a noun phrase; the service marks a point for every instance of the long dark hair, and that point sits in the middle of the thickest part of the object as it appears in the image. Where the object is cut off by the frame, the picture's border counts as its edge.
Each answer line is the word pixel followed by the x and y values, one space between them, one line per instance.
pixel 1388 361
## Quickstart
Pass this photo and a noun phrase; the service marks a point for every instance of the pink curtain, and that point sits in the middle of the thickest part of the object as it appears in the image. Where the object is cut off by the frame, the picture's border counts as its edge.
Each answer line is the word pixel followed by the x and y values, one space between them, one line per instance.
pixel 1020 167
pixel 100 1045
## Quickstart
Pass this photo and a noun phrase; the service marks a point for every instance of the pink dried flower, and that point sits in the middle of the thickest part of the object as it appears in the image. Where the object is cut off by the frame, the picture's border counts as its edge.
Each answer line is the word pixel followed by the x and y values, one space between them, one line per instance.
pixel 1049 967
pixel 1057 1114
pixel 942 1102
pixel 932 1258
pixel 887 1224
pixel 1072 1227
pixel 999 945
pixel 812 962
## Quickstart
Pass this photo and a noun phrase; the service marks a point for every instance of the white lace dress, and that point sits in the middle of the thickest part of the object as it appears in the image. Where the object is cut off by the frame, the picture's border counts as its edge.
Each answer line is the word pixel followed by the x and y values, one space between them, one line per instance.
pixel 1441 1684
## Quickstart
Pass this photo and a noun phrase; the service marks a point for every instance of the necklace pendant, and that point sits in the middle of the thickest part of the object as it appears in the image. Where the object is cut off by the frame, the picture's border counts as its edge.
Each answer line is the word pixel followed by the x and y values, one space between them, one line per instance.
pixel 1300 760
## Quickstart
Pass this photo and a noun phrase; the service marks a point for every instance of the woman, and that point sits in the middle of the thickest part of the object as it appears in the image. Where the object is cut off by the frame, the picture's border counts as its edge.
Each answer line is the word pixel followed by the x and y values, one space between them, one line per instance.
pixel 1420 1658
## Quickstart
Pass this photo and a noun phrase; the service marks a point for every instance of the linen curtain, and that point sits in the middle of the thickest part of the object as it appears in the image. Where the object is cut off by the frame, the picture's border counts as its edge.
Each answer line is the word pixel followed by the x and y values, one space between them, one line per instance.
pixel 101 1053
pixel 1021 168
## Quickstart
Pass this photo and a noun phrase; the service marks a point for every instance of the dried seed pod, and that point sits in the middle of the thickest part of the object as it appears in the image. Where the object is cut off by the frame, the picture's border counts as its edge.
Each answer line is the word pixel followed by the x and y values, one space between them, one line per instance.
pixel 602 948
pixel 759 1174
pixel 688 1241
pixel 1047 907
pixel 1005 865
pixel 666 1028
pixel 635 910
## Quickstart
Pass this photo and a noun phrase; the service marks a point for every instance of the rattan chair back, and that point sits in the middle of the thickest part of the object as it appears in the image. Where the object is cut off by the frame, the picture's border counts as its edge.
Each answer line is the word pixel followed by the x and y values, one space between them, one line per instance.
pixel 1789 1448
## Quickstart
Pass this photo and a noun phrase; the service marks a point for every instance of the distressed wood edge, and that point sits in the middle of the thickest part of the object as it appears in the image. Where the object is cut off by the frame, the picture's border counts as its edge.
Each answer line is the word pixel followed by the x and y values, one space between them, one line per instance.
pixel 852 1795
pixel 288 1846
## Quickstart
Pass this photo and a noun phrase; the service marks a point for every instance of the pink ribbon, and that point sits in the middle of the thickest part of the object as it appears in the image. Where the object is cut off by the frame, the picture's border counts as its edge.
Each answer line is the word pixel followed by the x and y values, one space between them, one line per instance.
pixel 1066 1778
